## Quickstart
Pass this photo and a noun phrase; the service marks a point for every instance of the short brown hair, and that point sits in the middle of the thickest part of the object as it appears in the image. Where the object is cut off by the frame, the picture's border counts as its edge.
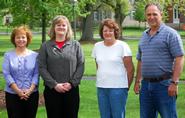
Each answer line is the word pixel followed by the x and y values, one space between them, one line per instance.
pixel 110 24
pixel 56 20
pixel 154 4
pixel 21 29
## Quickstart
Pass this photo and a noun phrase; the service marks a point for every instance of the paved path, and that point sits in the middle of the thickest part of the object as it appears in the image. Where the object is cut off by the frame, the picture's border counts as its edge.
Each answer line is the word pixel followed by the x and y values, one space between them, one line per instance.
pixel 89 78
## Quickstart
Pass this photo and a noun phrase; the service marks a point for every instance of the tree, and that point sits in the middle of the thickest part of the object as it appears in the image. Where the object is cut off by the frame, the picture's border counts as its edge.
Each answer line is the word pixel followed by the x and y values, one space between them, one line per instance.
pixel 164 4
pixel 88 6
pixel 181 5
pixel 139 12
pixel 121 9
pixel 3 4
pixel 4 7
pixel 36 12
pixel 26 12
pixel 87 24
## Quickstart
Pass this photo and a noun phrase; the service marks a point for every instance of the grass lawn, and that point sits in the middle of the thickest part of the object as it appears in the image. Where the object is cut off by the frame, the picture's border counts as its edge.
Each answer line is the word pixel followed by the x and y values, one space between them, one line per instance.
pixel 88 104
pixel 90 69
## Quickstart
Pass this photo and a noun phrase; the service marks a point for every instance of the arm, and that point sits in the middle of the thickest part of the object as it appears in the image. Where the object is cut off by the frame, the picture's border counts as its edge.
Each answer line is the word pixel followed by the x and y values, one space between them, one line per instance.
pixel 35 77
pixel 8 77
pixel 177 51
pixel 6 70
pixel 42 58
pixel 18 91
pixel 77 76
pixel 138 78
pixel 28 92
pixel 178 67
pixel 130 69
pixel 35 80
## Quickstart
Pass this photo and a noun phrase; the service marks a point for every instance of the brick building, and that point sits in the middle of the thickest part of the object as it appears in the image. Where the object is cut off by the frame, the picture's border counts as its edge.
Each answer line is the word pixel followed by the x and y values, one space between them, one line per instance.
pixel 175 18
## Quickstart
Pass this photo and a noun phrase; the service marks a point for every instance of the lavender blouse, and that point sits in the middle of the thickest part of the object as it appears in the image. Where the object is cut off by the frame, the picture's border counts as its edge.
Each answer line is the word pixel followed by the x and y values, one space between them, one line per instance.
pixel 22 70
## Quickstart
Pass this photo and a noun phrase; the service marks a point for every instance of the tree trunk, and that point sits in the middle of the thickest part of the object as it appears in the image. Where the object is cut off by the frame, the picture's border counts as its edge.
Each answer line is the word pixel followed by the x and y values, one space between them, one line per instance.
pixel 119 19
pixel 43 27
pixel 31 23
pixel 87 27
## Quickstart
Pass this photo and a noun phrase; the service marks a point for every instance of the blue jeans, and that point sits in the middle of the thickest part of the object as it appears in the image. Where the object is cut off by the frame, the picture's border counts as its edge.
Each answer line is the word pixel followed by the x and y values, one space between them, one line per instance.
pixel 112 102
pixel 154 99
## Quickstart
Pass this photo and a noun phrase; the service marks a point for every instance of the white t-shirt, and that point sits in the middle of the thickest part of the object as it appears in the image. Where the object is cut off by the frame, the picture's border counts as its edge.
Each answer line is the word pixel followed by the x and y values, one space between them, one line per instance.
pixel 111 72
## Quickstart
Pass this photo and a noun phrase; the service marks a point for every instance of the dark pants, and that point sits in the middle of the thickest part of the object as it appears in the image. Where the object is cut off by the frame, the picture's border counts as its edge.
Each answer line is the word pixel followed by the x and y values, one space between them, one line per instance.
pixel 62 105
pixel 18 108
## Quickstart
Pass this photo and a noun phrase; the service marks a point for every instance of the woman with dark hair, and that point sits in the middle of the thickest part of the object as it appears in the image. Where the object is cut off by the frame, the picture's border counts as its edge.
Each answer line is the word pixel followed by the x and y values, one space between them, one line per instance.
pixel 115 71
pixel 61 65
pixel 20 71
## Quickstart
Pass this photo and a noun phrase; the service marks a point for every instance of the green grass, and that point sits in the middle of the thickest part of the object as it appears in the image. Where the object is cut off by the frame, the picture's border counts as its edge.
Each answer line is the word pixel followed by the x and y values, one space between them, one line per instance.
pixel 89 105
pixel 90 68
pixel 138 32
pixel 132 32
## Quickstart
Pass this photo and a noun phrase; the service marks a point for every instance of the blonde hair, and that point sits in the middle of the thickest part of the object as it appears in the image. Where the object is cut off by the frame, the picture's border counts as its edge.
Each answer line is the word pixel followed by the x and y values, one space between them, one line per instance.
pixel 20 30
pixel 56 20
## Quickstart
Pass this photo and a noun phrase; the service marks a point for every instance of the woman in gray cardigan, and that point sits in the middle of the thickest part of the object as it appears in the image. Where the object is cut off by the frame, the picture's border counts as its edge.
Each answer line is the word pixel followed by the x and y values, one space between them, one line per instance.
pixel 61 65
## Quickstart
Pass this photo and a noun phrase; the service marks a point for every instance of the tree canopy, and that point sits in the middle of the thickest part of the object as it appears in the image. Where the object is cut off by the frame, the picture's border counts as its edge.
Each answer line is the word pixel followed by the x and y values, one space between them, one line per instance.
pixel 40 12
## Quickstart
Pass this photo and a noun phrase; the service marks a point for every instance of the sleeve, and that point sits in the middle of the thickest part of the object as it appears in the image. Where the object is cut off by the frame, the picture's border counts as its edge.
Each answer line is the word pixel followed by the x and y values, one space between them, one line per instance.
pixel 93 54
pixel 42 66
pixel 35 78
pixel 139 51
pixel 176 45
pixel 126 50
pixel 77 76
pixel 138 56
pixel 6 70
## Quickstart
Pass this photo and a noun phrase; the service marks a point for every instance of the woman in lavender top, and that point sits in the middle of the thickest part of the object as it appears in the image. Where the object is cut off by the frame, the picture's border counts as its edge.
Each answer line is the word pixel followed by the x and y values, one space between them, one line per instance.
pixel 21 74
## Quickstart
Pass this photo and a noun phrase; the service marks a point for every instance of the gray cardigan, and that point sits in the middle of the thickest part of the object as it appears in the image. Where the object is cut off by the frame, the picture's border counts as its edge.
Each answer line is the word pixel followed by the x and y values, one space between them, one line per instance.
pixel 61 65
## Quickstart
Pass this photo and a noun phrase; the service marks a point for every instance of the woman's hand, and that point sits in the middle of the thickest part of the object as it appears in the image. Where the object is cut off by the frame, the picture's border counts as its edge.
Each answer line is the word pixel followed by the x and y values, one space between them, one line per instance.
pixel 68 86
pixel 63 87
pixel 20 93
pixel 27 93
pixel 60 88
pixel 137 87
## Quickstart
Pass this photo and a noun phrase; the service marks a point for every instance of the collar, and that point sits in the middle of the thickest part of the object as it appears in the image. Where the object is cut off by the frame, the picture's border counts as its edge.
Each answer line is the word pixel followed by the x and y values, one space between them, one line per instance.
pixel 53 44
pixel 160 28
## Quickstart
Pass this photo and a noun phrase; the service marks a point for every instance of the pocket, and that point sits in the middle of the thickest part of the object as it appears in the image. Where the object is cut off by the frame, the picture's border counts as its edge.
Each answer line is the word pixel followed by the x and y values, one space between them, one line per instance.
pixel 165 82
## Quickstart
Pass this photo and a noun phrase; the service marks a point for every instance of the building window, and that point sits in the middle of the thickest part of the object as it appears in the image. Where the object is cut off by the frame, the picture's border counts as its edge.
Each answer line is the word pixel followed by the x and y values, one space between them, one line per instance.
pixel 95 16
pixel 132 15
pixel 175 14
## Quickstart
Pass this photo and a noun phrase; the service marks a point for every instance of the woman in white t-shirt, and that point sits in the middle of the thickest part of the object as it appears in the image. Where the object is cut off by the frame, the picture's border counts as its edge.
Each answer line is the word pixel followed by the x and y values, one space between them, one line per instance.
pixel 115 71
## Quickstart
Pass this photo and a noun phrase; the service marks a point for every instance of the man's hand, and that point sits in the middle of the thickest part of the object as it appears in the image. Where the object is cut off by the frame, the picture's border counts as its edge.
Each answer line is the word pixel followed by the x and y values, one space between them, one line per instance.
pixel 173 90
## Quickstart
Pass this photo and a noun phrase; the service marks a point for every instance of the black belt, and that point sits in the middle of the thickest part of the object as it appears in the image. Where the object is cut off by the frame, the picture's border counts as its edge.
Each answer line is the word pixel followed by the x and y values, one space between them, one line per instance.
pixel 157 79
